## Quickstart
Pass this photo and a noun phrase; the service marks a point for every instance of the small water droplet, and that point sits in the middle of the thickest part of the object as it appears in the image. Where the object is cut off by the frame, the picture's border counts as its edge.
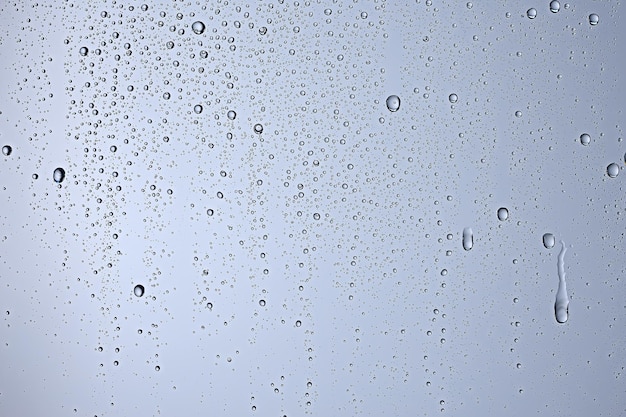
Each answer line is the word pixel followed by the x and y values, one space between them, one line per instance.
pixel 58 175
pixel 197 109
pixel 593 19
pixel 555 6
pixel 262 303
pixel 612 170
pixel 468 238
pixel 231 114
pixel 6 150
pixel 531 13
pixel 139 290
pixel 393 103
pixel 548 240
pixel 453 98
pixel 469 5
pixel 258 128
pixel 198 27
pixel 518 114
pixel 585 139
pixel 83 51
pixel 503 213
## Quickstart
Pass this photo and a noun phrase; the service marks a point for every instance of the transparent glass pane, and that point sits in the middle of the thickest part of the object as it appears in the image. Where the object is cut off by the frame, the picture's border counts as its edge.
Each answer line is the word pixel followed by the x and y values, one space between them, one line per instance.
pixel 295 208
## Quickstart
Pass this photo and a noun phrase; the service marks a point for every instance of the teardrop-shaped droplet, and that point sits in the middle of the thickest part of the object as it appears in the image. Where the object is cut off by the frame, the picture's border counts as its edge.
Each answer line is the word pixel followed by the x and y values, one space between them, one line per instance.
pixel 561 305
pixel 139 290
pixel 393 103
pixel 548 240
pixel 58 175
pixel 468 238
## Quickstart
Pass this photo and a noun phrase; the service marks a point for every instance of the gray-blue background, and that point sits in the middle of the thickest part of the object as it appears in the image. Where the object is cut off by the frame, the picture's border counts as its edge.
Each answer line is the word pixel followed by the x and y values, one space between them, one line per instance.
pixel 341 215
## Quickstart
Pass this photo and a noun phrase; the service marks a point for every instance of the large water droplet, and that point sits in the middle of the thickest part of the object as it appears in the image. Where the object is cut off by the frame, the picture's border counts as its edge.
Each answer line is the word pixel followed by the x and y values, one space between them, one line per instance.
pixel 531 13
pixel 468 238
pixel 503 213
pixel 231 114
pixel 561 305
pixel 6 150
pixel 197 109
pixel 58 175
pixel 453 98
pixel 548 240
pixel 258 128
pixel 585 139
pixel 593 19
pixel 555 6
pixel 83 51
pixel 393 103
pixel 198 27
pixel 139 290
pixel 612 170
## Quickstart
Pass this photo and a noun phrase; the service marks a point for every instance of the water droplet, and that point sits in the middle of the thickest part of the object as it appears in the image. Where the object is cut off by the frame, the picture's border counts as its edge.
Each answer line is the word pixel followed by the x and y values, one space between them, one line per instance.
pixel 531 13
pixel 198 27
pixel 83 51
pixel 262 303
pixel 258 128
pixel 612 170
pixel 548 240
pixel 6 150
pixel 393 103
pixel 503 213
pixel 561 304
pixel 231 114
pixel 453 98
pixel 585 139
pixel 58 175
pixel 197 109
pixel 316 216
pixel 139 290
pixel 468 238
pixel 593 19
pixel 518 114
pixel 469 5
pixel 555 6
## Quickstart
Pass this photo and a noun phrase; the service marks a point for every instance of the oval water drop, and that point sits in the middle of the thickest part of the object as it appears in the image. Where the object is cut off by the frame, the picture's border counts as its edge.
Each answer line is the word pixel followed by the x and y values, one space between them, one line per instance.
pixel 548 240
pixel 58 175
pixel 612 170
pixel 503 213
pixel 393 103
pixel 561 304
pixel 198 27
pixel 139 290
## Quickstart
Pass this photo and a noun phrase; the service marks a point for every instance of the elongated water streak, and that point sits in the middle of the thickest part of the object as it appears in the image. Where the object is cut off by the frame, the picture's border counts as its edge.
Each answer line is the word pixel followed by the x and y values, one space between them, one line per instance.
pixel 562 300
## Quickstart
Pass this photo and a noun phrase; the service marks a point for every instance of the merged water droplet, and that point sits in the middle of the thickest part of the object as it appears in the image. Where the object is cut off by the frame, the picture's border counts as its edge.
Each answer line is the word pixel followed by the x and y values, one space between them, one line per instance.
pixel 503 213
pixel 453 98
pixel 6 150
pixel 555 6
pixel 561 305
pixel 593 19
pixel 468 238
pixel 58 175
pixel 139 290
pixel 612 170
pixel 198 27
pixel 548 240
pixel 393 103
pixel 531 13
pixel 585 139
